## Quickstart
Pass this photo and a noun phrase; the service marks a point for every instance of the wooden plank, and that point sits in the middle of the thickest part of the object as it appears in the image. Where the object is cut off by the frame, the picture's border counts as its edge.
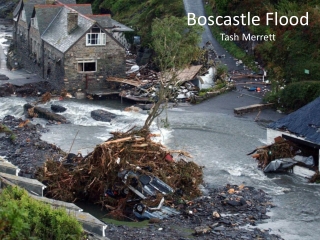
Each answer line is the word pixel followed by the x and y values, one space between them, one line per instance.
pixel 184 75
pixel 252 108
pixel 124 80
pixel 136 98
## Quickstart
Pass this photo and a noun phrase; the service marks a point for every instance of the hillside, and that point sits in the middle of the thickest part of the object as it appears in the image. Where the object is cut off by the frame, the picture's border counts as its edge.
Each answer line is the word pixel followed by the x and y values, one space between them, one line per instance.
pixel 138 14
pixel 296 48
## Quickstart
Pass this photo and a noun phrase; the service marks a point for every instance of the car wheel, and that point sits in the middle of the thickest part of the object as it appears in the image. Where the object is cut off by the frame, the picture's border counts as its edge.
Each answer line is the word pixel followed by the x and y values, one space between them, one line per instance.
pixel 140 208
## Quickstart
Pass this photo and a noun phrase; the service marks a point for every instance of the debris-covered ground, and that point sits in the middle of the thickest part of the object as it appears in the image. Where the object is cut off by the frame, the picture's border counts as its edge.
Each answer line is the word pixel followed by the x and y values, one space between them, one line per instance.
pixel 27 90
pixel 220 213
pixel 283 155
pixel 21 144
pixel 230 212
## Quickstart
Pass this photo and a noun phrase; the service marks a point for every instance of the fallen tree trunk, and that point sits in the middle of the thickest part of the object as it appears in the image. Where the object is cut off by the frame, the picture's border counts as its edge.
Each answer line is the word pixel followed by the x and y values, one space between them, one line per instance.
pixel 43 113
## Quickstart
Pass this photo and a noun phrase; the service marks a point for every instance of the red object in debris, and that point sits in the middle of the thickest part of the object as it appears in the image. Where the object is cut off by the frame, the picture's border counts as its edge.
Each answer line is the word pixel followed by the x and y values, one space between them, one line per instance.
pixel 169 158
pixel 258 89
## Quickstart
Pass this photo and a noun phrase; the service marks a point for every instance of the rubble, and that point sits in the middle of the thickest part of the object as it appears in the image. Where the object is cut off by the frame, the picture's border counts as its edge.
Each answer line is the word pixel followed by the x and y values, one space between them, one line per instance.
pixel 197 221
pixel 103 175
pixel 285 156
pixel 142 83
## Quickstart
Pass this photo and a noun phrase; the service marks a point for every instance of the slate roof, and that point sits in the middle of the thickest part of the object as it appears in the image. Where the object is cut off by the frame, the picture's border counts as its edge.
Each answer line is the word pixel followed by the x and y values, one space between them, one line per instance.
pixel 28 7
pixel 305 122
pixel 104 20
pixel 67 1
pixel 45 14
pixel 17 9
pixel 119 27
pixel 84 9
pixel 57 34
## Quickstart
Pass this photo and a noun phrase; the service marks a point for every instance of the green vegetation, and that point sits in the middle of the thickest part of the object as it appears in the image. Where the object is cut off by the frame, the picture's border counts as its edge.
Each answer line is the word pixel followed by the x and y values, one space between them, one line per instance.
pixel 230 46
pixel 176 46
pixel 7 131
pixel 293 57
pixel 138 14
pixel 4 129
pixel 295 95
pixel 22 217
pixel 218 85
pixel 222 70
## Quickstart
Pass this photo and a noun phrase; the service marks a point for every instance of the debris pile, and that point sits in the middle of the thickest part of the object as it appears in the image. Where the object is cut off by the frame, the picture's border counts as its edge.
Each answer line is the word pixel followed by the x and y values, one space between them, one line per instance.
pixel 145 84
pixel 142 83
pixel 283 156
pixel 230 212
pixel 282 148
pixel 113 173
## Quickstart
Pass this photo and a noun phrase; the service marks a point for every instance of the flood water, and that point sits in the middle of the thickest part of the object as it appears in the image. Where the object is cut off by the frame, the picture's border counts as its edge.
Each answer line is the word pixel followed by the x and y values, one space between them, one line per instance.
pixel 216 139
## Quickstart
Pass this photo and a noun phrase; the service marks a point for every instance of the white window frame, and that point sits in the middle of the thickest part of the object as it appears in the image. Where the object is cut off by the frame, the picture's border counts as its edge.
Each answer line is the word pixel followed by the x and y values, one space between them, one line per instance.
pixel 83 62
pixel 34 22
pixel 95 37
pixel 23 16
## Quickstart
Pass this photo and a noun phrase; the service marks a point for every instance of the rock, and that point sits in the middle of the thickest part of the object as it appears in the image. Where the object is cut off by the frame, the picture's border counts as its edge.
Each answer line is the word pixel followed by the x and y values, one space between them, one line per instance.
pixel 3 77
pixel 102 115
pixel 216 214
pixel 57 108
pixel 26 91
pixel 219 229
pixel 144 106
pixel 233 203
pixel 202 229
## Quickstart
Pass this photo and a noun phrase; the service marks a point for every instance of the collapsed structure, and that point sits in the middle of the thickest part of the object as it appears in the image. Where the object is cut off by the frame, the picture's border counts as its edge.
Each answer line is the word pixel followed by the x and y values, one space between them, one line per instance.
pixel 294 143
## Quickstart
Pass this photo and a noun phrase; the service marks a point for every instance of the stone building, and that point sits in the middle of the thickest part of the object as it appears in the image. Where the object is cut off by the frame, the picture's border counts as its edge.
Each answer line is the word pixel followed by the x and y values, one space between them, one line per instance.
pixel 64 43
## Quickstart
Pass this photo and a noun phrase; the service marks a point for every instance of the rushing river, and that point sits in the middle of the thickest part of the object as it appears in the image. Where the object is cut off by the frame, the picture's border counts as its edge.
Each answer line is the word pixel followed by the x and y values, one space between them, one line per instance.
pixel 215 138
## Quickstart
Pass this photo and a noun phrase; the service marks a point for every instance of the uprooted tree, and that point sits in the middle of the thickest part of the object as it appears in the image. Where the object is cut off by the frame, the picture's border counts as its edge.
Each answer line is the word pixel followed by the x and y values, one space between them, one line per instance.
pixel 176 45
pixel 92 176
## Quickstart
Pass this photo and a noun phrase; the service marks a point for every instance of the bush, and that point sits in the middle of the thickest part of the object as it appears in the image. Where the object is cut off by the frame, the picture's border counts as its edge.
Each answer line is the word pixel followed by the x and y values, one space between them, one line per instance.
pixel 295 95
pixel 22 217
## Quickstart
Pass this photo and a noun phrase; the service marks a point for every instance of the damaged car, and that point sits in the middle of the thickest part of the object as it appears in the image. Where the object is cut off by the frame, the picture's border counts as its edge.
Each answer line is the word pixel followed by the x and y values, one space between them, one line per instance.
pixel 144 187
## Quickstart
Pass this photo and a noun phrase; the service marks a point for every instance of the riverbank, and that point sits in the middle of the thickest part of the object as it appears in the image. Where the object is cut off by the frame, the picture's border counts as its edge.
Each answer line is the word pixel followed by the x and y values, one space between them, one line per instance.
pixel 229 212
pixel 23 147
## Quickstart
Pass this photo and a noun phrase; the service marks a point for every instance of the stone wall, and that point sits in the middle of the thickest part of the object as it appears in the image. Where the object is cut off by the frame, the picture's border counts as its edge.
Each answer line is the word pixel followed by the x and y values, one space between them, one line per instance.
pixel 35 63
pixel 61 69
pixel 53 66
pixel 28 57
pixel 110 61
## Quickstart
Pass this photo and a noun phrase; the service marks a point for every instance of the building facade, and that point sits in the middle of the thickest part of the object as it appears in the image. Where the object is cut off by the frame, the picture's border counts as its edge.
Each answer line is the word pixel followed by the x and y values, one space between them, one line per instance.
pixel 65 44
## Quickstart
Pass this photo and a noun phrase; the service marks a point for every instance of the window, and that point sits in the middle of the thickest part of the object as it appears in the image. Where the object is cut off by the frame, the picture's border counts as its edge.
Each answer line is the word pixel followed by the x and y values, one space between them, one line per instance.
pixel 87 66
pixel 23 15
pixel 34 22
pixel 95 37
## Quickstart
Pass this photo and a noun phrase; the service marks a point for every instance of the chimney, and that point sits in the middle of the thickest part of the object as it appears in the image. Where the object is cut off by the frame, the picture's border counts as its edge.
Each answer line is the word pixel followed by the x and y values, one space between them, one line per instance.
pixel 72 21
